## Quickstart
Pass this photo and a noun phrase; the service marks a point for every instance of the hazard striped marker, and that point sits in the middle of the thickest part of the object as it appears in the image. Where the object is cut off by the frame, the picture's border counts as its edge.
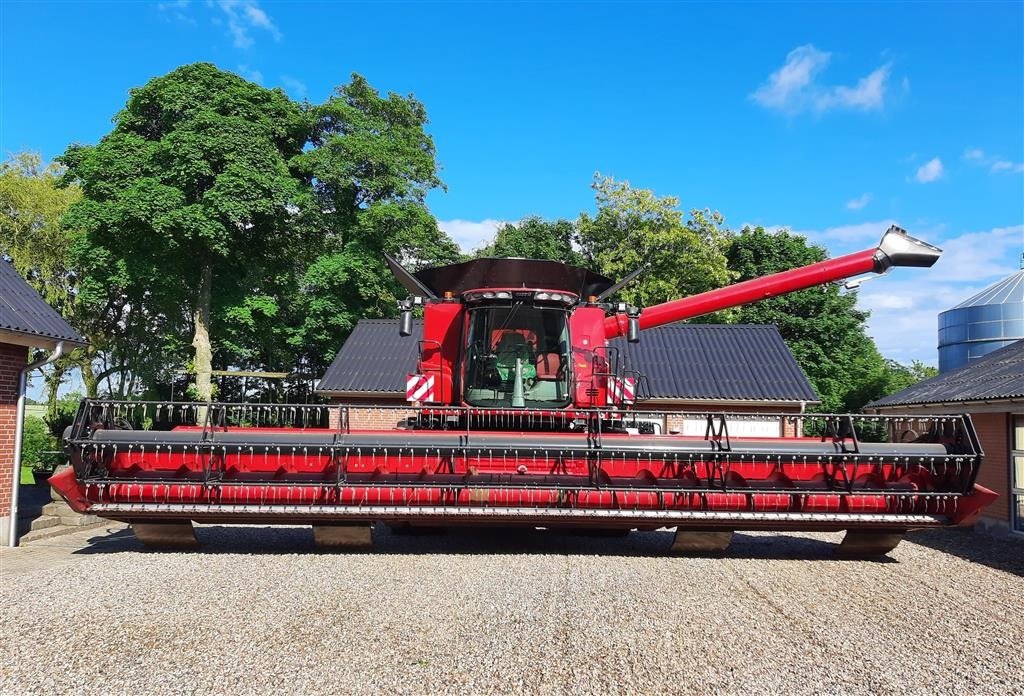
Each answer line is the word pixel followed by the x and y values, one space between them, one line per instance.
pixel 419 388
pixel 622 391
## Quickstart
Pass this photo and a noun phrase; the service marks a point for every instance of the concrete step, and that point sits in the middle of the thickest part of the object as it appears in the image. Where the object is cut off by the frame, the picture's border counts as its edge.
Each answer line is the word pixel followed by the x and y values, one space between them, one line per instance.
pixel 56 508
pixel 67 515
pixel 59 530
pixel 73 519
pixel 45 522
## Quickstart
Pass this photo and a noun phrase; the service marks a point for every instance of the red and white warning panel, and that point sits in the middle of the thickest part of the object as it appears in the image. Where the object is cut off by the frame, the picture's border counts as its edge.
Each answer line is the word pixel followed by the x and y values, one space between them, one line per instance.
pixel 622 390
pixel 419 388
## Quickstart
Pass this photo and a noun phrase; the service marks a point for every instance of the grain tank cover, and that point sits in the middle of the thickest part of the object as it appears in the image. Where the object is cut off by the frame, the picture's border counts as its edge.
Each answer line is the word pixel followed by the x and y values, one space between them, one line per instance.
pixel 513 273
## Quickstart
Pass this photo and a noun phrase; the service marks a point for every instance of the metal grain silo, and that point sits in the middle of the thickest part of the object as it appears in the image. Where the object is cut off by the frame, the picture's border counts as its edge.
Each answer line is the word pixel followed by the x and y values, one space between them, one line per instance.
pixel 977 326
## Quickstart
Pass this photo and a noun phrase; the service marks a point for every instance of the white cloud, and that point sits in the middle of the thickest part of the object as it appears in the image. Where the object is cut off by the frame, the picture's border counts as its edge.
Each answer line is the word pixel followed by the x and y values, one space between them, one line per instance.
pixel 250 74
pixel 295 88
pixel 858 203
pixel 244 15
pixel 848 236
pixel 931 170
pixel 468 234
pixel 794 87
pixel 1006 166
pixel 787 84
pixel 177 9
pixel 868 95
pixel 995 163
pixel 975 256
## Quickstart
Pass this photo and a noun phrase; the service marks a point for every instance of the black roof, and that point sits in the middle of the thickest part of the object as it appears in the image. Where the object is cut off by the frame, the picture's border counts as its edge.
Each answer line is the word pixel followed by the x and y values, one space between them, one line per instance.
pixel 374 358
pixel 512 273
pixel 997 376
pixel 728 362
pixel 700 362
pixel 23 311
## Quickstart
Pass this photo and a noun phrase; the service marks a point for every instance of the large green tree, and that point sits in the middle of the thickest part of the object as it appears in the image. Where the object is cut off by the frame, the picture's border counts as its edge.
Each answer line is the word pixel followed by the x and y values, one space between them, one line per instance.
pixel 32 205
pixel 634 226
pixel 371 164
pixel 822 326
pixel 190 199
pixel 535 238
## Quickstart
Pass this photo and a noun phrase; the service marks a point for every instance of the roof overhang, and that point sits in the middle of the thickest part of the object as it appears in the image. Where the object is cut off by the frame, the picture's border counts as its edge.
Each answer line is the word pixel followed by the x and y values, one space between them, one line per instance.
pixel 336 394
pixel 30 340
pixel 944 407
pixel 745 403
pixel 737 403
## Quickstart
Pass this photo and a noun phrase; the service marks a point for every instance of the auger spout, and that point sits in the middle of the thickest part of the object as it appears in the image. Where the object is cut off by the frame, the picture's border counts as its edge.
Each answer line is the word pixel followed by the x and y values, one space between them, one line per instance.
pixel 897 248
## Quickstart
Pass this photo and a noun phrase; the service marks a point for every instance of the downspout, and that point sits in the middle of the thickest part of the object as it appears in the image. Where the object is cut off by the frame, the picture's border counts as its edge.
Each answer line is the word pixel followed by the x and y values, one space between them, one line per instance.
pixel 19 432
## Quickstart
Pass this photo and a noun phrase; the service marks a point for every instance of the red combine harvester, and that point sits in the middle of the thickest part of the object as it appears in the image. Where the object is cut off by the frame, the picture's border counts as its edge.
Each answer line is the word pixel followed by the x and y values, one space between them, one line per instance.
pixel 523 414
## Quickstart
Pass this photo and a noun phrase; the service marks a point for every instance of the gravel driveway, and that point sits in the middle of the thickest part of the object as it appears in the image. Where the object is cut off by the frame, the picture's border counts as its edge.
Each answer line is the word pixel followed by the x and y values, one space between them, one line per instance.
pixel 476 611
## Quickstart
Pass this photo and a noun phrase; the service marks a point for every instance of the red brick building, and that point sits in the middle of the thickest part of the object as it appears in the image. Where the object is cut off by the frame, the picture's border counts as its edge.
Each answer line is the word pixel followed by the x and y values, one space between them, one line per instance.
pixel 26 322
pixel 689 368
pixel 991 389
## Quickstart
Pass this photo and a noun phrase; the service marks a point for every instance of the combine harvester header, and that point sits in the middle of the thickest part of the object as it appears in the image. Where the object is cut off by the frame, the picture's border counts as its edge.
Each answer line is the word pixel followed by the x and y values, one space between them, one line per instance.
pixel 521 413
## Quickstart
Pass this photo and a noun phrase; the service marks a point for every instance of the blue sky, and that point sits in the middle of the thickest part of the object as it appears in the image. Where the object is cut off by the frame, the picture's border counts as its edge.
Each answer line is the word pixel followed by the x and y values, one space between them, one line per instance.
pixel 831 119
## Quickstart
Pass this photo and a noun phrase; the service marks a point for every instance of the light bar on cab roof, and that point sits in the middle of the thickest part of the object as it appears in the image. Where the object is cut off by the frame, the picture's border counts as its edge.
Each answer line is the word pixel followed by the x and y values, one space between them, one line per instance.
pixel 565 298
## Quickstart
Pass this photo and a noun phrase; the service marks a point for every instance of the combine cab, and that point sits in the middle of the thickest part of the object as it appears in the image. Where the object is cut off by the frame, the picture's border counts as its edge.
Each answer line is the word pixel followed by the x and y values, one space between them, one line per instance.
pixel 521 414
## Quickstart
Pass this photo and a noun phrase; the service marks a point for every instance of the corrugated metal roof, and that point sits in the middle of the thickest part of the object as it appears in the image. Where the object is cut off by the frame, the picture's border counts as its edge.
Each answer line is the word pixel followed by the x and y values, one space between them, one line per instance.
pixel 374 358
pixel 689 361
pixel 23 311
pixel 729 362
pixel 1009 289
pixel 999 375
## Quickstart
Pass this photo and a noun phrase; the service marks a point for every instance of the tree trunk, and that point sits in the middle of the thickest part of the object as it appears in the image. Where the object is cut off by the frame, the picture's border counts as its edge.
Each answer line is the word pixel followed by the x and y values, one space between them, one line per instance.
pixel 201 339
pixel 53 381
pixel 89 378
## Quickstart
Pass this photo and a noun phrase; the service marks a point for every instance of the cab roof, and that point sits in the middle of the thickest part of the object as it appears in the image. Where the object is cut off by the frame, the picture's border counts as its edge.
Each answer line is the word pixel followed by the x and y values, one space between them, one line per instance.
pixel 482 273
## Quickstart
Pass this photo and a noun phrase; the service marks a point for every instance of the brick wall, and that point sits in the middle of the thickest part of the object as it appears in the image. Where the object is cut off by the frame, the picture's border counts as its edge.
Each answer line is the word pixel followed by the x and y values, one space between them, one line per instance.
pixel 788 428
pixel 12 359
pixel 994 433
pixel 369 417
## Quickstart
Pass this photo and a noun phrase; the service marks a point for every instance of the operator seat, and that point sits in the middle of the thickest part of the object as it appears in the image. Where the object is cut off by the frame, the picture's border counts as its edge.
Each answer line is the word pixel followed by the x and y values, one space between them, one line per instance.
pixel 513 346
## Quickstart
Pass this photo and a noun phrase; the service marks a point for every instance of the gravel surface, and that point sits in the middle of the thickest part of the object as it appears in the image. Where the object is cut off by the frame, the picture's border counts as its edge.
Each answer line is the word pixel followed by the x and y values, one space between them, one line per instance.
pixel 483 611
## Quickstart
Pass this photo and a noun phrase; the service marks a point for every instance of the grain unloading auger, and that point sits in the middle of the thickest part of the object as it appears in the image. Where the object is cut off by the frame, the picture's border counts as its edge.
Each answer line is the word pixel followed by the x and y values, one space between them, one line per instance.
pixel 521 413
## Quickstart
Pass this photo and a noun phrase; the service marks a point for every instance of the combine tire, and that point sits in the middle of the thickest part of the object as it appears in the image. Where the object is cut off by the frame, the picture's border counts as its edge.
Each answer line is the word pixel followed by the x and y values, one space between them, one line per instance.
pixel 859 543
pixel 692 542
pixel 342 537
pixel 175 535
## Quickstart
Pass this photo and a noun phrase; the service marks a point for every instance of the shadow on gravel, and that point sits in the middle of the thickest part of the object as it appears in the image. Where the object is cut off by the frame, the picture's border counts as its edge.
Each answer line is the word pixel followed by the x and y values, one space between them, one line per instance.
pixel 1001 554
pixel 479 541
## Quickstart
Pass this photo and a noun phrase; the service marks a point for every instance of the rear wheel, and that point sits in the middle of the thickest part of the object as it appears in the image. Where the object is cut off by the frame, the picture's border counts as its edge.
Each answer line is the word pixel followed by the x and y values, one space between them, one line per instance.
pixel 860 543
pixel 343 537
pixel 166 535
pixel 701 542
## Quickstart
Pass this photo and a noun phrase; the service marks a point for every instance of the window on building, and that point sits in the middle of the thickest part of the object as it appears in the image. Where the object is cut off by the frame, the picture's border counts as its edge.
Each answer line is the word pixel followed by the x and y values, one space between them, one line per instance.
pixel 1017 473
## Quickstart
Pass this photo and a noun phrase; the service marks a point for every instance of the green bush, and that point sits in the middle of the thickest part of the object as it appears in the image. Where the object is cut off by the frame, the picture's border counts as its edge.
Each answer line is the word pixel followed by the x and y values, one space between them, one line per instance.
pixel 67 407
pixel 36 439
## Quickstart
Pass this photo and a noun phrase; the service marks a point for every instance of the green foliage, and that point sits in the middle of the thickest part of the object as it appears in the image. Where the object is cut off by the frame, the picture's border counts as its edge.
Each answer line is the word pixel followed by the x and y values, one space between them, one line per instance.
pixel 371 164
pixel 535 238
pixel 61 413
pixel 36 438
pixel 822 326
pixel 32 204
pixel 188 200
pixel 225 225
pixel 634 226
